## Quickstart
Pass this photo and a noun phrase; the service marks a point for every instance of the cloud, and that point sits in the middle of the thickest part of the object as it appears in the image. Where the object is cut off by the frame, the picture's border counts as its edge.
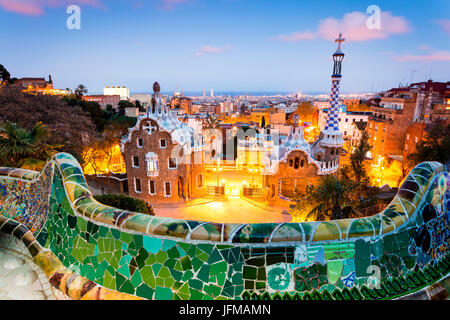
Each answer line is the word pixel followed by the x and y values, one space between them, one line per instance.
pixel 445 24
pixel 297 36
pixel 354 27
pixel 170 4
pixel 210 49
pixel 442 55
pixel 37 7
pixel 424 47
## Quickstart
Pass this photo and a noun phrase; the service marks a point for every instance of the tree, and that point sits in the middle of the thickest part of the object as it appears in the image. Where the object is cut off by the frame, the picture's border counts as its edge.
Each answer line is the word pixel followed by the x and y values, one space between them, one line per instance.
pixel 306 111
pixel 80 91
pixel 69 125
pixel 332 198
pixel 212 123
pixel 434 147
pixel 5 76
pixel 358 171
pixel 124 202
pixel 122 105
pixel 139 105
pixel 20 147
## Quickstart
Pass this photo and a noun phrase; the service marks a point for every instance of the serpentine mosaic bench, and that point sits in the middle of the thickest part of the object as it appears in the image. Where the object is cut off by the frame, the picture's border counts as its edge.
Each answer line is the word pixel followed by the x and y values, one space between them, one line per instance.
pixel 92 251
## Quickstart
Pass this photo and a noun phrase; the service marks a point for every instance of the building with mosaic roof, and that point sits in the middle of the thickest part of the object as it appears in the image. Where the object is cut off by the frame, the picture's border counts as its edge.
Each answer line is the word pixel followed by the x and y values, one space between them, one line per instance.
pixel 164 157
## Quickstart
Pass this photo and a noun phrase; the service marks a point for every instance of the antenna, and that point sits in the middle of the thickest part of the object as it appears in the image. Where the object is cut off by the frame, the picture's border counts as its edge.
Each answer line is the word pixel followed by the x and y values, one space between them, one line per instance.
pixel 412 74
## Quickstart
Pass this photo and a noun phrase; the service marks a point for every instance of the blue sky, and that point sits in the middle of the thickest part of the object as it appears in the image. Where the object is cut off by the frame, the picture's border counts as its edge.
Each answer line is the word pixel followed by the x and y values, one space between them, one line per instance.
pixel 231 45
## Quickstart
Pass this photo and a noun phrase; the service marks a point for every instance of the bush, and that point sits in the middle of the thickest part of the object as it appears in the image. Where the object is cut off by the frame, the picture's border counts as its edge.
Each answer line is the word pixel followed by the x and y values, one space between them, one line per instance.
pixel 124 202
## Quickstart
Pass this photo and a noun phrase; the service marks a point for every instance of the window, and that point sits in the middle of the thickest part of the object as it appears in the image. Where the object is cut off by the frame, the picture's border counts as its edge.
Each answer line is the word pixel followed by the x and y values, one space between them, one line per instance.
pixel 151 164
pixel 162 143
pixel 302 163
pixel 291 163
pixel 137 185
pixel 167 189
pixel 296 163
pixel 140 143
pixel 346 120
pixel 173 163
pixel 345 133
pixel 407 137
pixel 151 187
pixel 135 161
pixel 200 181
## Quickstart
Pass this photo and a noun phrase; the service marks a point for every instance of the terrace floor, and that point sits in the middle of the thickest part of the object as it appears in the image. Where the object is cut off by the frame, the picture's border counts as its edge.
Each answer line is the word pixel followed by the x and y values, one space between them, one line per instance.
pixel 230 209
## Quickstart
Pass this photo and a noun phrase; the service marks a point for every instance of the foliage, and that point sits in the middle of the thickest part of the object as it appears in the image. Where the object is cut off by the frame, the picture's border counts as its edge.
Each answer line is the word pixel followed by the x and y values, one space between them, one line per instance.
pixel 5 76
pixel 306 111
pixel 20 147
pixel 332 198
pixel 125 202
pixel 97 115
pixel 69 125
pixel 434 147
pixel 80 91
pixel 124 104
pixel 357 171
pixel 212 123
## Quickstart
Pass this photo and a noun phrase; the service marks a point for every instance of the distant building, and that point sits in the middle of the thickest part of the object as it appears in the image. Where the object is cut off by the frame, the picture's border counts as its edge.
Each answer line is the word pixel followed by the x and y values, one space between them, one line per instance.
pixel 345 119
pixel 144 99
pixel 123 92
pixel 402 116
pixel 40 86
pixel 132 112
pixel 104 100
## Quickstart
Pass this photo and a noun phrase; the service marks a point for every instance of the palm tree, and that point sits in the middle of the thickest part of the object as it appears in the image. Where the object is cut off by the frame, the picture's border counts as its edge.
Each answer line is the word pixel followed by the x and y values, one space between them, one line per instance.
pixel 331 199
pixel 24 148
pixel 80 91
pixel 212 123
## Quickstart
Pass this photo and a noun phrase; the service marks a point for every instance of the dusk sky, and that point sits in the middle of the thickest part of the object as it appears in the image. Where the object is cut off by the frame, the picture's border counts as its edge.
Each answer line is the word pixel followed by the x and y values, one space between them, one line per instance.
pixel 232 45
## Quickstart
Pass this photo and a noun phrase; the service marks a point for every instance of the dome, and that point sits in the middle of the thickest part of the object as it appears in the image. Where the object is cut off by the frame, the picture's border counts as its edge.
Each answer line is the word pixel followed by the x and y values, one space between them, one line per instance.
pixel 156 87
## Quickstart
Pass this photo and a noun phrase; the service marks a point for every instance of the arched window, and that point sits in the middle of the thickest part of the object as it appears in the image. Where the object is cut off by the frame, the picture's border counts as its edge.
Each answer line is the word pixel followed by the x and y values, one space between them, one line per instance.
pixel 296 163
pixel 302 163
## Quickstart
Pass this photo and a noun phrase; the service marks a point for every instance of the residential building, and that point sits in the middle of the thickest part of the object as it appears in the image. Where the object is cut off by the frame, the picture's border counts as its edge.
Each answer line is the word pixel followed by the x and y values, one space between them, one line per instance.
pixel 122 91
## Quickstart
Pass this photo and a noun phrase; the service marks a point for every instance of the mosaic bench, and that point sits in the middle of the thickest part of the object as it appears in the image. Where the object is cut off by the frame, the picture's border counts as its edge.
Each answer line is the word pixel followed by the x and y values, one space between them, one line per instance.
pixel 108 253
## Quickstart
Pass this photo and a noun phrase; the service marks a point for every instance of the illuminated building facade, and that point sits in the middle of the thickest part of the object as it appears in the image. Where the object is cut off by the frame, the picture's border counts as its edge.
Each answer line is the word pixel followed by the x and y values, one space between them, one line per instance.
pixel 164 157
pixel 40 86
pixel 400 118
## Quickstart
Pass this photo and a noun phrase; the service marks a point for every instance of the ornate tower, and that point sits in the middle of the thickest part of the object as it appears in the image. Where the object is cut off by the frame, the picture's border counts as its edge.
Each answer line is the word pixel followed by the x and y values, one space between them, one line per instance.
pixel 331 140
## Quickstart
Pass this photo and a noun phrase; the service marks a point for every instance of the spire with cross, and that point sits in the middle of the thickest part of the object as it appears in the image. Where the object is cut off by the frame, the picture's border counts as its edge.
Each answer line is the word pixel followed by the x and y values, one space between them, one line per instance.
pixel 339 41
pixel 333 136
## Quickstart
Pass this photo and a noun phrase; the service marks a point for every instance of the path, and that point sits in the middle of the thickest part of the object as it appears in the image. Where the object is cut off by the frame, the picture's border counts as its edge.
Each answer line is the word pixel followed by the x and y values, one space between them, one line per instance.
pixel 232 209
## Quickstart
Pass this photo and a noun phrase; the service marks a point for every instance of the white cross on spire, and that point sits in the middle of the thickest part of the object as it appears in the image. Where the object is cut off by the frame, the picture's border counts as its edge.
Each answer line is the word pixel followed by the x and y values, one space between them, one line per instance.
pixel 339 40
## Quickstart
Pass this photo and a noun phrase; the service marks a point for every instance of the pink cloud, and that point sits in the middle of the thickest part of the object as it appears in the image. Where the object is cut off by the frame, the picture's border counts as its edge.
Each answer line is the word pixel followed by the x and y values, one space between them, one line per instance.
pixel 443 55
pixel 37 7
pixel 297 36
pixel 353 25
pixel 170 4
pixel 210 49
pixel 445 24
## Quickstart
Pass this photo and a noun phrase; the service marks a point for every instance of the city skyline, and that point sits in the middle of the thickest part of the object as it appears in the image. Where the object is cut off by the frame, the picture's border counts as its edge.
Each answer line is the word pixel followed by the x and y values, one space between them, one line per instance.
pixel 225 45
